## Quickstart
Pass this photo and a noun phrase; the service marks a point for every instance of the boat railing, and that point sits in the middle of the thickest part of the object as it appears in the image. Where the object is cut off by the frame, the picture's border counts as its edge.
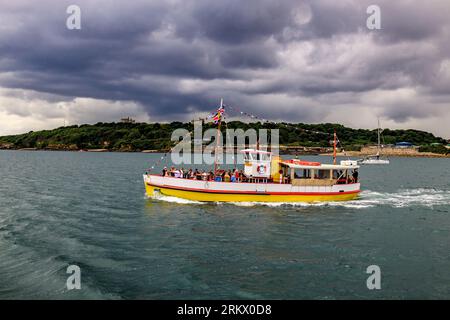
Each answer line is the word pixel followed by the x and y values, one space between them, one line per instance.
pixel 314 182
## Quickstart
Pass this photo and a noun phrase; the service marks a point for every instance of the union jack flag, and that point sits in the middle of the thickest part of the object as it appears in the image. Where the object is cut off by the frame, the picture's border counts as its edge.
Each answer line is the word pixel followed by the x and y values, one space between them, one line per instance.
pixel 218 116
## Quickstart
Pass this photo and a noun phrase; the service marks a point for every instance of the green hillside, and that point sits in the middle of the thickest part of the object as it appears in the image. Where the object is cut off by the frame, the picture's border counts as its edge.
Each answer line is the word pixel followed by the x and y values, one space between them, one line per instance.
pixel 156 136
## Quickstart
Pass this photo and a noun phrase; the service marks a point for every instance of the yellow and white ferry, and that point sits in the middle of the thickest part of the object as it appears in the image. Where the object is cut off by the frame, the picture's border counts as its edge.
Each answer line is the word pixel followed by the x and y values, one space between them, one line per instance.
pixel 265 178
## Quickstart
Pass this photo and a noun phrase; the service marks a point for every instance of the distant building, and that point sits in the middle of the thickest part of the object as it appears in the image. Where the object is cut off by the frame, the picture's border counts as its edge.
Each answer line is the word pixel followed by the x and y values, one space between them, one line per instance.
pixel 404 145
pixel 127 120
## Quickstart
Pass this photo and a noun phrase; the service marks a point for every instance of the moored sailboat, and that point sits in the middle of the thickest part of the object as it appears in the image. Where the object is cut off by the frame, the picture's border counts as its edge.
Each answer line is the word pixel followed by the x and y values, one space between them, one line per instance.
pixel 377 158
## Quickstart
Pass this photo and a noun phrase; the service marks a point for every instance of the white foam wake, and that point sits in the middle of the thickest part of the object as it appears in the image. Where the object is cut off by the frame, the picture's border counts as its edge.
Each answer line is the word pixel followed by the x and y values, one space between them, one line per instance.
pixel 398 199
pixel 368 198
pixel 175 200
pixel 407 197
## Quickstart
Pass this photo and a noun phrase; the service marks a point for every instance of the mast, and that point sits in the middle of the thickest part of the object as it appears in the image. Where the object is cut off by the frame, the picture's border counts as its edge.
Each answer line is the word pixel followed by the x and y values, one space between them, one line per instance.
pixel 217 138
pixel 334 147
pixel 378 145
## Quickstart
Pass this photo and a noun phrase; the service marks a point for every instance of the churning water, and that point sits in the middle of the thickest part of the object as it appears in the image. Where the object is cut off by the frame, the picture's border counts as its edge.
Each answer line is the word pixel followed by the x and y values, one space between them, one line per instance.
pixel 89 209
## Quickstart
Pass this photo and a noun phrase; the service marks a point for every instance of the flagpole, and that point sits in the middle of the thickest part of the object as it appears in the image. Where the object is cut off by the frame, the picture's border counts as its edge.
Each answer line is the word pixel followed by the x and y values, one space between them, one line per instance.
pixel 217 138
pixel 334 147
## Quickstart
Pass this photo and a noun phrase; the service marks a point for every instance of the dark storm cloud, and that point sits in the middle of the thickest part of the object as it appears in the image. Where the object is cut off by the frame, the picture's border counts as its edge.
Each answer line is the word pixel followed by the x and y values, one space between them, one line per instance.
pixel 237 21
pixel 168 55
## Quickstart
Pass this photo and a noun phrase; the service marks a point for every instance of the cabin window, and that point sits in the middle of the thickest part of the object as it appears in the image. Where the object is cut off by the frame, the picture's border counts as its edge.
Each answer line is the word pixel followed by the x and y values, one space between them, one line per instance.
pixel 247 156
pixel 306 173
pixel 301 174
pixel 323 174
pixel 338 174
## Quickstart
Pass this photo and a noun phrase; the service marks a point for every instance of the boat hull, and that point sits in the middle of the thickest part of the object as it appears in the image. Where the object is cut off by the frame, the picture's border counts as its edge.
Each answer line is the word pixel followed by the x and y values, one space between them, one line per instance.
pixel 226 191
pixel 374 161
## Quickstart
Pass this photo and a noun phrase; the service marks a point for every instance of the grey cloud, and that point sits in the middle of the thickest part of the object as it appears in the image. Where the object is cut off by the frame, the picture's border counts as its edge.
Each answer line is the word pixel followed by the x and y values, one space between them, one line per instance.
pixel 141 51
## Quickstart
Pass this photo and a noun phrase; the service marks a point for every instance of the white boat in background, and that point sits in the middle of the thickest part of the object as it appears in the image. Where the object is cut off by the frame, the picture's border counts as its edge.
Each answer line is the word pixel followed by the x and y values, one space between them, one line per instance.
pixel 377 158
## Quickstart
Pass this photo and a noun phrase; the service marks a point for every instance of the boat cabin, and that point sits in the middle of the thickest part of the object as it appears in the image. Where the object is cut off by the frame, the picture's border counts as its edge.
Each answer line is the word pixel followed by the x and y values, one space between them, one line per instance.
pixel 257 163
pixel 308 173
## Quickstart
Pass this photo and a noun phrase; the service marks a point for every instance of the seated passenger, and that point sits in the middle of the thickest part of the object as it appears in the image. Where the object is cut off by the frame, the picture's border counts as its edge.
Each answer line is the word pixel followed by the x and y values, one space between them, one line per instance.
pixel 236 174
pixel 355 175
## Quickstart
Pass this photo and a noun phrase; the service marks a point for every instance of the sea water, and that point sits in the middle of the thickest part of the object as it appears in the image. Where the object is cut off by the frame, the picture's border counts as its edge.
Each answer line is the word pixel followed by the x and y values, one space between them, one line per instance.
pixel 90 210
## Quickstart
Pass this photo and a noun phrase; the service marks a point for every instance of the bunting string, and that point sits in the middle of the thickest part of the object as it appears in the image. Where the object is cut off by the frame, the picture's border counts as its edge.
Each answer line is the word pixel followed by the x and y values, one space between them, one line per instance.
pixel 219 115
pixel 255 117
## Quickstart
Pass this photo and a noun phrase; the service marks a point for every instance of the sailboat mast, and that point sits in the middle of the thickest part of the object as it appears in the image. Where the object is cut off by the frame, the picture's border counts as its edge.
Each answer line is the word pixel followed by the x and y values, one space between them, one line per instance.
pixel 378 145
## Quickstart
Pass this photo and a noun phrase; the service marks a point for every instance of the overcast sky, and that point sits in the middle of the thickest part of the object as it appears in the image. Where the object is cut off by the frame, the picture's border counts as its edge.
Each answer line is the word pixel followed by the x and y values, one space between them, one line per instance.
pixel 300 61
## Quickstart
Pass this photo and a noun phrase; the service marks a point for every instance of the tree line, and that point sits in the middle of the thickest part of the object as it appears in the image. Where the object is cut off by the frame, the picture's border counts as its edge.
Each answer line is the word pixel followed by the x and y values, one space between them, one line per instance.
pixel 157 136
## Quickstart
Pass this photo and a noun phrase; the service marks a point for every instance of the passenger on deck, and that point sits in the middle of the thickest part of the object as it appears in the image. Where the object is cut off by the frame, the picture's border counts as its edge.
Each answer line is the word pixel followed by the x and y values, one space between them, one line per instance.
pixel 355 175
pixel 226 177
pixel 280 172
pixel 241 175
pixel 236 175
pixel 164 172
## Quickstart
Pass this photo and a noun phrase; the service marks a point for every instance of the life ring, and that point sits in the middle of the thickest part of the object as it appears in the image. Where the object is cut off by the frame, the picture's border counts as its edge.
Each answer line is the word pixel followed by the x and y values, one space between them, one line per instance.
pixel 262 169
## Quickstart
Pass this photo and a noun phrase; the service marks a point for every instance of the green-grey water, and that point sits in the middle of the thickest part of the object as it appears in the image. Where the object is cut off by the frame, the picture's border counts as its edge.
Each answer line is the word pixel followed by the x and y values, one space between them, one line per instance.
pixel 89 209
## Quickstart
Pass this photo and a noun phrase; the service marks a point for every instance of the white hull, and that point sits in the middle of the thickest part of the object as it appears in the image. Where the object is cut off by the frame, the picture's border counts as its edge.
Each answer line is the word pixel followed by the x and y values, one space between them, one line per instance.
pixel 246 192
pixel 160 181
pixel 375 161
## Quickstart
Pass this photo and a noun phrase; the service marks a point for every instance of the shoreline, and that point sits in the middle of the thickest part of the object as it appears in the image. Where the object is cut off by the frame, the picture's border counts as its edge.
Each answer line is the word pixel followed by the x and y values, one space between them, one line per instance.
pixel 359 154
pixel 356 154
